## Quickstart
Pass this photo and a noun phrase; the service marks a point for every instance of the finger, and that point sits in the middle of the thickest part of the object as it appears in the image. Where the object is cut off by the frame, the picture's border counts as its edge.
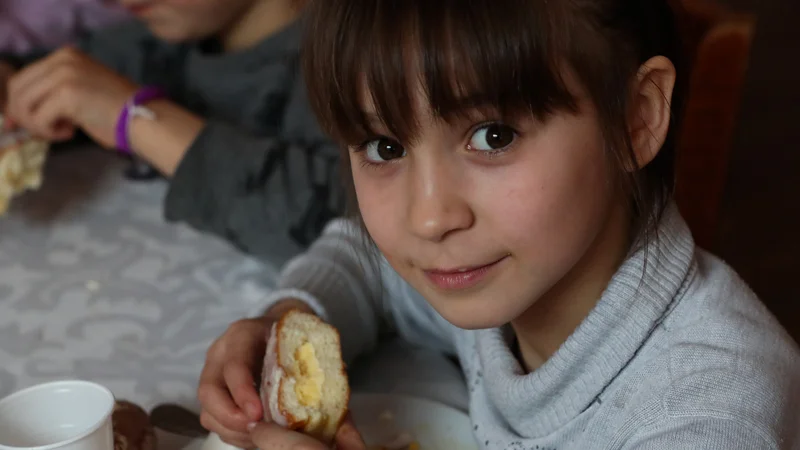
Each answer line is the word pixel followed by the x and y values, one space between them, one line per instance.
pixel 51 118
pixel 24 102
pixel 274 437
pixel 348 437
pixel 239 379
pixel 8 123
pixel 235 438
pixel 32 74
pixel 216 399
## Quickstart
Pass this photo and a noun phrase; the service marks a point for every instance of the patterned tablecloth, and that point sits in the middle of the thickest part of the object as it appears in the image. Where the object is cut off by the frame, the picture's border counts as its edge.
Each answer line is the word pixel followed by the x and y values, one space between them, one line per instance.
pixel 95 285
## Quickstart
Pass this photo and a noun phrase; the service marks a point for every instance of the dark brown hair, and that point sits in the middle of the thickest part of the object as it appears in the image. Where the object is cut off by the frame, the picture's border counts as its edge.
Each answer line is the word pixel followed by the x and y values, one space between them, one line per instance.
pixel 511 55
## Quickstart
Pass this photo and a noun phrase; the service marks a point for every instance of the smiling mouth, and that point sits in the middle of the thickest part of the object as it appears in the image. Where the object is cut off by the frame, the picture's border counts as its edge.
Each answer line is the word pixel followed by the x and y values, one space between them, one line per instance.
pixel 461 278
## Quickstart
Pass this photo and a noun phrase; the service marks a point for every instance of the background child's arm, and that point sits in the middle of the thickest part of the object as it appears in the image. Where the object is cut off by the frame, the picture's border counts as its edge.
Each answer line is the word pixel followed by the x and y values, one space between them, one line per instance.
pixel 358 293
pixel 271 196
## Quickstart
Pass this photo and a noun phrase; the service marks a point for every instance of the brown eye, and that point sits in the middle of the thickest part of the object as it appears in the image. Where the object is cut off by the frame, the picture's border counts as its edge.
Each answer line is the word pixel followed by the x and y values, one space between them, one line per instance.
pixel 383 149
pixel 494 136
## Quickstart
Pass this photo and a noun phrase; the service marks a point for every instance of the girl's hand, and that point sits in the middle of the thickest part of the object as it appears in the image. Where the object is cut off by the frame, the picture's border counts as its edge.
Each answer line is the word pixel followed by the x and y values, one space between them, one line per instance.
pixel 68 89
pixel 267 436
pixel 227 390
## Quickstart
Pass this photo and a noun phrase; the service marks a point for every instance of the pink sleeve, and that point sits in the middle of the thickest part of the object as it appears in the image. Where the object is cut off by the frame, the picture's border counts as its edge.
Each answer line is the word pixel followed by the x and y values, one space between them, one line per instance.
pixel 96 14
pixel 15 38
pixel 27 25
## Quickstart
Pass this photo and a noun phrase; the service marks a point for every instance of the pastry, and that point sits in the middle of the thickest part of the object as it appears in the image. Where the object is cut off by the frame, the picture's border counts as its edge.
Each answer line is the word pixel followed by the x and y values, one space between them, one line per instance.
pixel 304 384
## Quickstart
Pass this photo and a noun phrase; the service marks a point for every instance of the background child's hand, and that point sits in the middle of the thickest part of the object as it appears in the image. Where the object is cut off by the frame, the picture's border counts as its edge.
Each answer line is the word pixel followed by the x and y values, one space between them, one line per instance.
pixel 266 436
pixel 68 89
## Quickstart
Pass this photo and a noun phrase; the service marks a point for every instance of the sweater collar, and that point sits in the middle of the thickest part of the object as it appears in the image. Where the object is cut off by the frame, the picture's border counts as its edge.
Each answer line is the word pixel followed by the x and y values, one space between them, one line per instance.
pixel 635 301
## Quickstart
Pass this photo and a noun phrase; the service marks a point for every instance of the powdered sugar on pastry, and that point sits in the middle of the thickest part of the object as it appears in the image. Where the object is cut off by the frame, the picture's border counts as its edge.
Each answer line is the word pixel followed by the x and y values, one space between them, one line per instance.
pixel 272 374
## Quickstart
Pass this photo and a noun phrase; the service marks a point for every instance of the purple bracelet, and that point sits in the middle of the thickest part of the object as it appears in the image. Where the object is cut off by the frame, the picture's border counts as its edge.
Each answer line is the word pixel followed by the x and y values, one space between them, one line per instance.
pixel 143 95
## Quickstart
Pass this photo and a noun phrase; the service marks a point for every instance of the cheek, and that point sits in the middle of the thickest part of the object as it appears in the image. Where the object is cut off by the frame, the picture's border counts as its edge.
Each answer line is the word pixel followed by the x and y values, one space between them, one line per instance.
pixel 553 200
pixel 380 202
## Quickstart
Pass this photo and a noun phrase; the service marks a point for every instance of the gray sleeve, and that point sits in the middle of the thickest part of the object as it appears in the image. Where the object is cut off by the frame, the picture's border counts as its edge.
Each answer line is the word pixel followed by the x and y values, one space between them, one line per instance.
pixel 353 288
pixel 702 433
pixel 267 195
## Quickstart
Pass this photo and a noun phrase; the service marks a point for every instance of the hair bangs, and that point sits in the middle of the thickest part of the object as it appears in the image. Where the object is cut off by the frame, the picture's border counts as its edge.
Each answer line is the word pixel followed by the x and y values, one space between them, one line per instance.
pixel 370 63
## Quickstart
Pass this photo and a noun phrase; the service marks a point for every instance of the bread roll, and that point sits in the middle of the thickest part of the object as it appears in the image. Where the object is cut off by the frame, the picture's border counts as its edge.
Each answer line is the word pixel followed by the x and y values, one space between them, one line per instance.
pixel 304 384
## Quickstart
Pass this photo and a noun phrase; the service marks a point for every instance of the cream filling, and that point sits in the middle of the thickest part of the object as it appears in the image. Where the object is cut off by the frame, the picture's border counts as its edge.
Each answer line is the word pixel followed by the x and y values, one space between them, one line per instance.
pixel 308 384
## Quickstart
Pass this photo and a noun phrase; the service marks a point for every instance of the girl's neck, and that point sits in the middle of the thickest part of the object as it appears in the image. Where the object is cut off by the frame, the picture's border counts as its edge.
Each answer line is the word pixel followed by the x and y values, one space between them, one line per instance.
pixel 547 324
pixel 263 19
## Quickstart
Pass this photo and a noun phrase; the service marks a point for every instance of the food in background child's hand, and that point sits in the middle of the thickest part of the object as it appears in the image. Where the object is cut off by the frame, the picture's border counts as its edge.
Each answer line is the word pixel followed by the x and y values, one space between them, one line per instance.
pixel 22 159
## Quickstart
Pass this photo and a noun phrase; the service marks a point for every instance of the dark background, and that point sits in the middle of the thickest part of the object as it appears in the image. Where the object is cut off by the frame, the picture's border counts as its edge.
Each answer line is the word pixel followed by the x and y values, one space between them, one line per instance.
pixel 760 235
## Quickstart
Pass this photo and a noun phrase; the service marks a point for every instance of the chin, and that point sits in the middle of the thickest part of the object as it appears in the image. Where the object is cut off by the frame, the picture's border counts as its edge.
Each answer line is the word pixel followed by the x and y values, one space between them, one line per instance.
pixel 471 315
pixel 170 34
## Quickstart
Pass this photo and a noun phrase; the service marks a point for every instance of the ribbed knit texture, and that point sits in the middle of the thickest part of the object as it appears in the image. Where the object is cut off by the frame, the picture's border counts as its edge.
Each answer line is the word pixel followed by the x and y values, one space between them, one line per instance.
pixel 678 353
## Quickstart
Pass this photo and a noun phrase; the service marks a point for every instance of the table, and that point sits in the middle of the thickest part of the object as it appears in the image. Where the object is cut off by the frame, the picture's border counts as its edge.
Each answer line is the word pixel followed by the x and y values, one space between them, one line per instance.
pixel 94 284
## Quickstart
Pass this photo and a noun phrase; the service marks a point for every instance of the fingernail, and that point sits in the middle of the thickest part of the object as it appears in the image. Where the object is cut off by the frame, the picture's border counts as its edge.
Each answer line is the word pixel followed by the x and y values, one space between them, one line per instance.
pixel 251 426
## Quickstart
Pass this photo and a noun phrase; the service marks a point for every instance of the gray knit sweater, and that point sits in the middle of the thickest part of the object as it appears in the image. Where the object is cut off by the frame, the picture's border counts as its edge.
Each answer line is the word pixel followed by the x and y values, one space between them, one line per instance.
pixel 687 359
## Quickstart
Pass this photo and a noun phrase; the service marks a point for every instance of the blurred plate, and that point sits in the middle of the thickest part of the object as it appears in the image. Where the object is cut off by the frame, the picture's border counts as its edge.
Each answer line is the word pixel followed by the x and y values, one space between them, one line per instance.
pixel 382 417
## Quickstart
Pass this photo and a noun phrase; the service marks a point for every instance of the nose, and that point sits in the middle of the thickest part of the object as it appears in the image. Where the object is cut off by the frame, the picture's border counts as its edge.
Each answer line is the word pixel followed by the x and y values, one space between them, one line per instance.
pixel 438 206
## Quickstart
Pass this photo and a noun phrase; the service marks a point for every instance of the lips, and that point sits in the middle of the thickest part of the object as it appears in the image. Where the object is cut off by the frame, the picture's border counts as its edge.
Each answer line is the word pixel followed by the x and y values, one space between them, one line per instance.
pixel 462 278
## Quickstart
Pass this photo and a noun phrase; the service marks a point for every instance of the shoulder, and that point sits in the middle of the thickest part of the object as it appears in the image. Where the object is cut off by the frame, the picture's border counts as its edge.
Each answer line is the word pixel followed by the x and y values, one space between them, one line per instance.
pixel 719 317
pixel 128 30
pixel 729 364
pixel 127 38
pixel 708 433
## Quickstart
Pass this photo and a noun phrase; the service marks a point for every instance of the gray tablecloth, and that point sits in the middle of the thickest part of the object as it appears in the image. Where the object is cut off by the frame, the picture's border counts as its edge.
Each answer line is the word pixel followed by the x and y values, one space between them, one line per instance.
pixel 95 285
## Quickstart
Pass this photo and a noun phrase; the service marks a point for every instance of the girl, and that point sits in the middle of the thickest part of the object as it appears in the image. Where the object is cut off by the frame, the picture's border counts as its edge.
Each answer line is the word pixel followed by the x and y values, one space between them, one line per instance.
pixel 512 162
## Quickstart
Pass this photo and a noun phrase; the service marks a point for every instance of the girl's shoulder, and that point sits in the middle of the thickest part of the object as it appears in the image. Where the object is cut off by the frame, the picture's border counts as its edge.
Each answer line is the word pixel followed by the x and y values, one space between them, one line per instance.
pixel 723 355
pixel 714 293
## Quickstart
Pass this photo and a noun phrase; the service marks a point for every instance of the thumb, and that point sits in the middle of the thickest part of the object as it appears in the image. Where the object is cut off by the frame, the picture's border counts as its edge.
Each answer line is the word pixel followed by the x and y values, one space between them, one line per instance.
pixel 348 437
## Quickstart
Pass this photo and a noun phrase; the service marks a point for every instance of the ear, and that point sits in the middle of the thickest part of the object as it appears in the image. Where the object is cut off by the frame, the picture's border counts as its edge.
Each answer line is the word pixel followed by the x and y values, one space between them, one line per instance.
pixel 650 113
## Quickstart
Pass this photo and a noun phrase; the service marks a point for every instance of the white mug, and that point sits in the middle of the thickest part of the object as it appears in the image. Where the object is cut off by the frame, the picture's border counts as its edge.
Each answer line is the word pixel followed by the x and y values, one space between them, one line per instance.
pixel 61 415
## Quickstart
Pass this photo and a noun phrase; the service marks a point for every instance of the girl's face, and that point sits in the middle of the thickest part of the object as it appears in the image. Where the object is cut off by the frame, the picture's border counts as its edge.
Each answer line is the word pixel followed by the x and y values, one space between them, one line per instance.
pixel 485 218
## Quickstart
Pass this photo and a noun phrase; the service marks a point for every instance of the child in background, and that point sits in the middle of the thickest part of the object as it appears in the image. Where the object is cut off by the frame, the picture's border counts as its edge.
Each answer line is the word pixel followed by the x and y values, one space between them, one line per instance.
pixel 221 109
pixel 29 25
pixel 512 162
